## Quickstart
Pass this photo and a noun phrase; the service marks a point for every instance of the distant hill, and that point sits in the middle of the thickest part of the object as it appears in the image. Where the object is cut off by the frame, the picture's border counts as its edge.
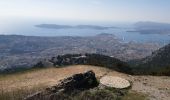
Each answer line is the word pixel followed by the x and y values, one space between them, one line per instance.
pixel 152 28
pixel 55 26
pixel 86 59
pixel 156 64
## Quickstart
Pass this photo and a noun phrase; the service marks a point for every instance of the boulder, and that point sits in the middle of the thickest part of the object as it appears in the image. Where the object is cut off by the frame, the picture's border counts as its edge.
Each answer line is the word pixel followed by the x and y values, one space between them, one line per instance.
pixel 79 81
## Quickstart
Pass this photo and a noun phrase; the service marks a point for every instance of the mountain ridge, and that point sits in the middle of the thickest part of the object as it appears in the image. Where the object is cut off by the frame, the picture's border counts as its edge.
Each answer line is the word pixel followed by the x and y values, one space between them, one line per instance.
pixel 156 64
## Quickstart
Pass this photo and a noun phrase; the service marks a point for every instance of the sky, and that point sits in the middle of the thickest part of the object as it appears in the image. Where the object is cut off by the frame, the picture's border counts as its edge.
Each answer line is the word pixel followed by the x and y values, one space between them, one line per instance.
pixel 86 10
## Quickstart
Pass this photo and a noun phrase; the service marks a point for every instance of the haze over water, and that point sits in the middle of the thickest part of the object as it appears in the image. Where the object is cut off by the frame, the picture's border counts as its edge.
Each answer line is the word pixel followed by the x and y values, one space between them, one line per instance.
pixel 20 17
pixel 120 32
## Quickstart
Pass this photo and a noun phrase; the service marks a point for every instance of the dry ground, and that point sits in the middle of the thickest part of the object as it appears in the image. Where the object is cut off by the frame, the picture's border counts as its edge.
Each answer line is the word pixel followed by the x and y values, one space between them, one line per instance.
pixel 44 77
pixel 157 87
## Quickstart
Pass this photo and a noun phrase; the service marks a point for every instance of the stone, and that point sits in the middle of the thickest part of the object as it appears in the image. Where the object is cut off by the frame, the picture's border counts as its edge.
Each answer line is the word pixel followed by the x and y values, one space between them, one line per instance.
pixel 115 82
pixel 81 81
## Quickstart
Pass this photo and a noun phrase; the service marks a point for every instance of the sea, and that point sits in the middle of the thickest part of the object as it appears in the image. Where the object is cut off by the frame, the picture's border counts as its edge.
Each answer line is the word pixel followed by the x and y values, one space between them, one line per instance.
pixel 122 31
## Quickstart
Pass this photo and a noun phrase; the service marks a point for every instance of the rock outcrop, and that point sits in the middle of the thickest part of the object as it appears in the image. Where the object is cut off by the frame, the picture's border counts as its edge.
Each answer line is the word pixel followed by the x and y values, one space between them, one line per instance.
pixel 78 82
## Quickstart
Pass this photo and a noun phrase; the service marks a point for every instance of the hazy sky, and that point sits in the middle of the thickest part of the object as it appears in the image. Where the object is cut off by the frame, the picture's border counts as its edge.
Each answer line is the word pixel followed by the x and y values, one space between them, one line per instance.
pixel 86 10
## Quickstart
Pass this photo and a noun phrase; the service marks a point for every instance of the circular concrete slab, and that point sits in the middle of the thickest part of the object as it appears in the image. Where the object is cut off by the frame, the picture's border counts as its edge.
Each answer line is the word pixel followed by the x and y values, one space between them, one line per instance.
pixel 115 82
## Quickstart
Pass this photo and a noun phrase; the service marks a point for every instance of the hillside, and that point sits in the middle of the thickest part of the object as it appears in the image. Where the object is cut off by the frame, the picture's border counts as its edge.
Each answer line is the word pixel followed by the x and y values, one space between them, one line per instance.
pixel 24 51
pixel 86 59
pixel 157 64
pixel 15 86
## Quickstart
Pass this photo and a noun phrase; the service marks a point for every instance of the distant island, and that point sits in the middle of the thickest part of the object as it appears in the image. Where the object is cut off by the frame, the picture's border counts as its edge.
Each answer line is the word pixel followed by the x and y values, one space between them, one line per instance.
pixel 151 28
pixel 55 26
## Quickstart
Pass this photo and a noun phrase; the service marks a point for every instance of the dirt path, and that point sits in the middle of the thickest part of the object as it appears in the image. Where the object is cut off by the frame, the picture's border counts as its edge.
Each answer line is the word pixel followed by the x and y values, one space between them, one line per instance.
pixel 157 87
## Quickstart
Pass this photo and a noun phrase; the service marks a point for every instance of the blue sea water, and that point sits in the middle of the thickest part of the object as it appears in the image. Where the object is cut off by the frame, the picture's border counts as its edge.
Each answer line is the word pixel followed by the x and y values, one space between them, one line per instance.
pixel 120 32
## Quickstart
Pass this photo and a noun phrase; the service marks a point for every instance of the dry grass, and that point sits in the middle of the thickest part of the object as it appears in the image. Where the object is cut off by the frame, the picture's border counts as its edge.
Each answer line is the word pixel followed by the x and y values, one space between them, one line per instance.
pixel 43 77
pixel 34 80
pixel 18 85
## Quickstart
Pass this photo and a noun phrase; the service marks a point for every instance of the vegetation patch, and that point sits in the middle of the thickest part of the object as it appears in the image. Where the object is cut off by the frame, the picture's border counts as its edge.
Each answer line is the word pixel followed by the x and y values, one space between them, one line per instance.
pixel 133 95
pixel 87 59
